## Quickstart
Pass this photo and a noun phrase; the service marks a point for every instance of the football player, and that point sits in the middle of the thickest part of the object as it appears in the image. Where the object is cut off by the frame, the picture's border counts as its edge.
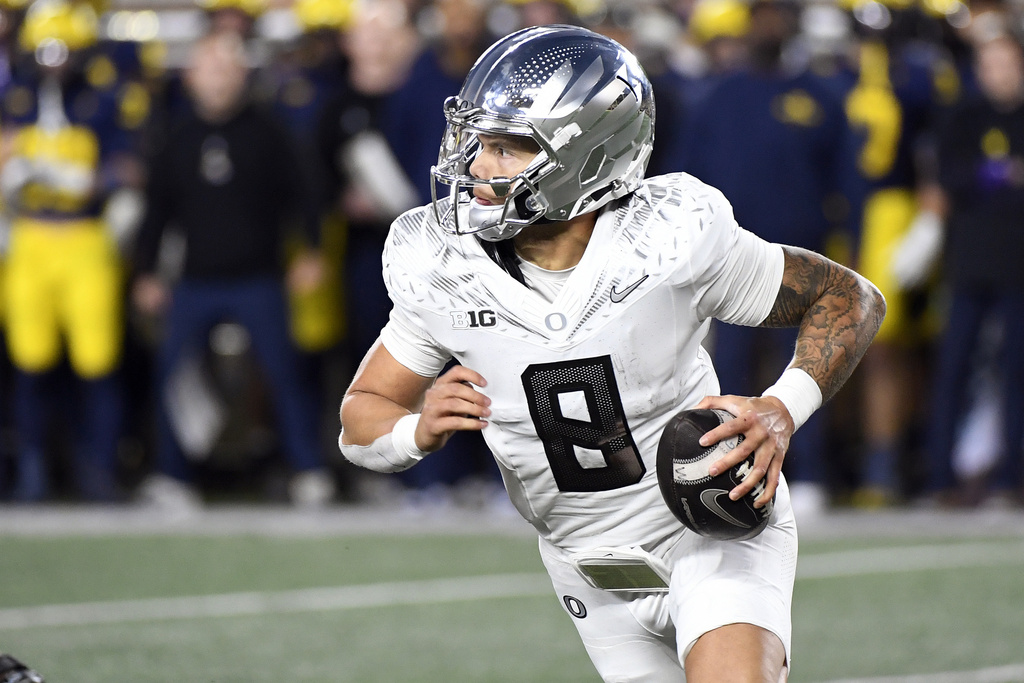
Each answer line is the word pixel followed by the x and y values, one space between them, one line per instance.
pixel 67 154
pixel 575 294
pixel 900 88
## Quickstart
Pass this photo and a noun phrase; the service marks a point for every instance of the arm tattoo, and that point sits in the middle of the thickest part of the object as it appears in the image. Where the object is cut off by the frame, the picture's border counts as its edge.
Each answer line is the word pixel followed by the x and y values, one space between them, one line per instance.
pixel 838 313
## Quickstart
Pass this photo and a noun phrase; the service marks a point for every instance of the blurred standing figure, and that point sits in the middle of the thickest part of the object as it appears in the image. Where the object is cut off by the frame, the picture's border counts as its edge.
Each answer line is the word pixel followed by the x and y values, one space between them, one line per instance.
pixel 716 33
pixel 12 13
pixel 899 85
pixel 64 154
pixel 981 166
pixel 306 77
pixel 310 72
pixel 233 16
pixel 773 137
pixel 367 185
pixel 456 35
pixel 709 45
pixel 228 177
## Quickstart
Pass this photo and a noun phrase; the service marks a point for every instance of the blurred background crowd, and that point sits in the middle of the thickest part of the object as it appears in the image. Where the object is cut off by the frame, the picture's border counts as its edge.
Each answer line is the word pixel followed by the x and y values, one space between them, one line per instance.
pixel 195 198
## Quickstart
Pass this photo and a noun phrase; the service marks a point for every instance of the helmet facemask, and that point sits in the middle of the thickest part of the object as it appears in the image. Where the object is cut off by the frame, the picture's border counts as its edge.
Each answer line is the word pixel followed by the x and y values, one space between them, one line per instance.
pixel 522 205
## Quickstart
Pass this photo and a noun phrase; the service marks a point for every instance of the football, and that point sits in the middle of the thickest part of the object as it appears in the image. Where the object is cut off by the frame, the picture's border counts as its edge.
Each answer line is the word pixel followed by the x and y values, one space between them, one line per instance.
pixel 701 502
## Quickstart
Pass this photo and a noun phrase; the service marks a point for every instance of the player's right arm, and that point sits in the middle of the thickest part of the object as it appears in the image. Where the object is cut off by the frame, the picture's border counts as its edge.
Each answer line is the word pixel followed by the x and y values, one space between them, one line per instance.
pixel 385 392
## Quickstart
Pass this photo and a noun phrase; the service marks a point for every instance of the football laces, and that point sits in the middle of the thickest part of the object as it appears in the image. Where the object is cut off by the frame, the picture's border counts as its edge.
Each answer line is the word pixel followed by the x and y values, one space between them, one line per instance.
pixel 743 470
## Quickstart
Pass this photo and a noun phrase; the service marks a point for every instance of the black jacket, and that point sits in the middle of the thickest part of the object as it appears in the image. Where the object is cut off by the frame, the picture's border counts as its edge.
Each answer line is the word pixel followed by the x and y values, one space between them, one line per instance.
pixel 232 188
pixel 985 228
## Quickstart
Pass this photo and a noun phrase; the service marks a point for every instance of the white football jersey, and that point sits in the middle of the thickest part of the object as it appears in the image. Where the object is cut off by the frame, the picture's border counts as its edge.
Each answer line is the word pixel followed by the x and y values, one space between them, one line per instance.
pixel 583 385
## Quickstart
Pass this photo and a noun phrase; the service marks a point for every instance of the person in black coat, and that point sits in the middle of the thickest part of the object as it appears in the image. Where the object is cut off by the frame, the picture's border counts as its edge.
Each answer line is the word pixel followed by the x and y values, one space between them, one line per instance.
pixel 228 179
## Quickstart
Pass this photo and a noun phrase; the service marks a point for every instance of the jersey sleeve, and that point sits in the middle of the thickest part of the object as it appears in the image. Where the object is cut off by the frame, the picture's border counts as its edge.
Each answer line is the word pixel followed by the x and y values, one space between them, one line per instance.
pixel 738 274
pixel 411 347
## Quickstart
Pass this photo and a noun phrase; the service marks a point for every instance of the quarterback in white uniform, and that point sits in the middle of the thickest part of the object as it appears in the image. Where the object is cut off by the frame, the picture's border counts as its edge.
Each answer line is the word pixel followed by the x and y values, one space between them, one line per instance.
pixel 575 295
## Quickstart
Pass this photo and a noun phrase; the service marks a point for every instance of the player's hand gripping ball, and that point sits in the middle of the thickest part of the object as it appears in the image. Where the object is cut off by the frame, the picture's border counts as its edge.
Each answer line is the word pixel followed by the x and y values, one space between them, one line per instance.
pixel 701 502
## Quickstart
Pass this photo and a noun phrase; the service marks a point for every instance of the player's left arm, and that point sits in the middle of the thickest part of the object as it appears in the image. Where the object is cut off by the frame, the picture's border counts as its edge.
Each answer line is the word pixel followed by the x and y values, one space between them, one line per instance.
pixel 838 312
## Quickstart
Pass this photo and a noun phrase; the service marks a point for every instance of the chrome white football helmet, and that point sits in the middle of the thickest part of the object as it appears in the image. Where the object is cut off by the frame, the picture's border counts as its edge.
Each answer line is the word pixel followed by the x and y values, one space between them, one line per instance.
pixel 581 96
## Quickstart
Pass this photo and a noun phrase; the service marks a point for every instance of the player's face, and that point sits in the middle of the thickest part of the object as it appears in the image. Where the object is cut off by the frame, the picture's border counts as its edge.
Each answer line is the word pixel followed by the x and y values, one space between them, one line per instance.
pixel 217 74
pixel 501 156
pixel 1000 66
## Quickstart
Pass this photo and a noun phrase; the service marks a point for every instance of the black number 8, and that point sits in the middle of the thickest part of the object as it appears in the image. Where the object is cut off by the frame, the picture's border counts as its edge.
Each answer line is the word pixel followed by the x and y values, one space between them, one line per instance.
pixel 606 430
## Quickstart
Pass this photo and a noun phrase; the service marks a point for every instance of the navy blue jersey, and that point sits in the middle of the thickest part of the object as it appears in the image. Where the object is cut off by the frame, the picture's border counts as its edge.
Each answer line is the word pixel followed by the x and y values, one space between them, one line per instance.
pixel 419 106
pixel 778 146
pixel 893 100
pixel 80 133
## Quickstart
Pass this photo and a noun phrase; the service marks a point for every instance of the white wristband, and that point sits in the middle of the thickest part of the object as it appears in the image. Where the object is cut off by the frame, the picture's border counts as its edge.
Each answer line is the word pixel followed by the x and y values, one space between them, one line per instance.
pixel 798 392
pixel 392 452
pixel 403 437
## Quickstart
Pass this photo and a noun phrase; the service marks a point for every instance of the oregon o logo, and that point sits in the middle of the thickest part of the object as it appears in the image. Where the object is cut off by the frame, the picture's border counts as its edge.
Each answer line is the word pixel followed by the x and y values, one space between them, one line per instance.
pixel 575 607
pixel 556 322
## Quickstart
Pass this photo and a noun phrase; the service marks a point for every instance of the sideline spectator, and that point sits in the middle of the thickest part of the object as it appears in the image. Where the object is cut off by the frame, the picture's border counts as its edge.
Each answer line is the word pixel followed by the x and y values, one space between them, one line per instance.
pixel 900 85
pixel 233 16
pixel 458 35
pixel 981 166
pixel 713 46
pixel 227 177
pixel 307 74
pixel 368 186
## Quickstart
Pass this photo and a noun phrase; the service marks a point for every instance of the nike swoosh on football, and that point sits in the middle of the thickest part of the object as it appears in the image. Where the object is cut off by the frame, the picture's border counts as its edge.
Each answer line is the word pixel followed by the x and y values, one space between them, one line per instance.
pixel 617 296
pixel 710 499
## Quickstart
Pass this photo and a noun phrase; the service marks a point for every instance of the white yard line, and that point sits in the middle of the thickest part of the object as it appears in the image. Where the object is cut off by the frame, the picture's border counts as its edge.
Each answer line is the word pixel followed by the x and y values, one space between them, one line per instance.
pixel 261 520
pixel 279 602
pixel 282 520
pixel 819 566
pixel 1011 673
pixel 909 559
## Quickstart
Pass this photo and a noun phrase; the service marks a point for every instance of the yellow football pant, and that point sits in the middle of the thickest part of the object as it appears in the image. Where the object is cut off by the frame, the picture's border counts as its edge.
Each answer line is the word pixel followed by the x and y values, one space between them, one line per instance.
pixel 318 317
pixel 888 214
pixel 63 283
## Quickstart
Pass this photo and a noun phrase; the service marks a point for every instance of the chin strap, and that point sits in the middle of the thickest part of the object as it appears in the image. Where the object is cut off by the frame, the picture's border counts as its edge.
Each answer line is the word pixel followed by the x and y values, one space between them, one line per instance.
pixel 504 254
pixel 486 221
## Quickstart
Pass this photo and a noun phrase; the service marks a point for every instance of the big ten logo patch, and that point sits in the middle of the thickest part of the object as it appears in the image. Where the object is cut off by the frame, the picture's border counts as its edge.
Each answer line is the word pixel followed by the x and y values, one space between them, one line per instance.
pixel 468 320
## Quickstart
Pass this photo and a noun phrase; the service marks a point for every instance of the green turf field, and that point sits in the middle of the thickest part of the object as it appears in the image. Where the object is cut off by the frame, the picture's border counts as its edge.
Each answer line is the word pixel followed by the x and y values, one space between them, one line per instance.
pixel 394 598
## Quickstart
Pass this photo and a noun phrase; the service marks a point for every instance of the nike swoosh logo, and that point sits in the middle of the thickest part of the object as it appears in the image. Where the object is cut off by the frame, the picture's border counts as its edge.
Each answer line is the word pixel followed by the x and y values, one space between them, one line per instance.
pixel 617 296
pixel 710 499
